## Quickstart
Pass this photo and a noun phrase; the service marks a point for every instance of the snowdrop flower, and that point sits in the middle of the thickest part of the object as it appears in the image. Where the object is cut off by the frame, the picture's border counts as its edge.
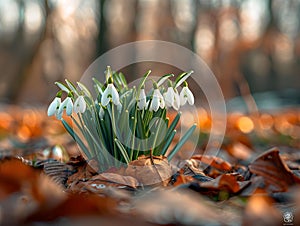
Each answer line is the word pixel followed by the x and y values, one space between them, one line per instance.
pixel 157 101
pixel 176 103
pixel 142 102
pixel 172 98
pixel 66 104
pixel 110 94
pixel 186 95
pixel 79 105
pixel 53 107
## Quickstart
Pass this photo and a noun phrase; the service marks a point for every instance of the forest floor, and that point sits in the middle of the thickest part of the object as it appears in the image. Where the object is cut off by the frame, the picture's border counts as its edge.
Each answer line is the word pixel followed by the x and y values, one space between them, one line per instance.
pixel 254 179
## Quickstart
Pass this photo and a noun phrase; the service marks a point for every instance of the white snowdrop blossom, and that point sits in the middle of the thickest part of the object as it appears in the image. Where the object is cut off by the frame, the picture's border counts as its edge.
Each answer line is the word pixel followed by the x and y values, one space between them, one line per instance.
pixel 176 104
pixel 66 104
pixel 118 108
pixel 169 97
pixel 110 94
pixel 142 102
pixel 53 107
pixel 172 98
pixel 157 101
pixel 186 95
pixel 79 105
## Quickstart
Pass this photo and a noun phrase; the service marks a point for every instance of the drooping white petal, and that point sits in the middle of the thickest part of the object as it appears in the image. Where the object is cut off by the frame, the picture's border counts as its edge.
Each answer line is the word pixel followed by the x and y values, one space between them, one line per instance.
pixel 58 115
pixel 182 98
pixel 114 94
pixel 157 101
pixel 176 104
pixel 186 95
pixel 110 93
pixel 53 107
pixel 161 98
pixel 79 105
pixel 169 97
pixel 161 102
pixel 190 96
pixel 105 97
pixel 154 106
pixel 68 104
pixel 141 102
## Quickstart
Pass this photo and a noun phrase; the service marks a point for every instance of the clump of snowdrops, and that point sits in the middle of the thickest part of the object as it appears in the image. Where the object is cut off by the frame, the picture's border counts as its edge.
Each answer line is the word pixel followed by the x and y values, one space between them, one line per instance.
pixel 122 123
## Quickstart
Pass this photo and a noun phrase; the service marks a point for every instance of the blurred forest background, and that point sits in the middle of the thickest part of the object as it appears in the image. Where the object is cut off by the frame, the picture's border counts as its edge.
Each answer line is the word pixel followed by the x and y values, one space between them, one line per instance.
pixel 251 45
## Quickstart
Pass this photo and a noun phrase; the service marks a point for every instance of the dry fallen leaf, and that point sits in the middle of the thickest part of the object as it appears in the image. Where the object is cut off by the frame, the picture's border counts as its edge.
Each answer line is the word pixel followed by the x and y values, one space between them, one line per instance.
pixel 226 182
pixel 117 179
pixel 180 178
pixel 83 172
pixel 214 161
pixel 277 176
pixel 150 173
pixel 25 190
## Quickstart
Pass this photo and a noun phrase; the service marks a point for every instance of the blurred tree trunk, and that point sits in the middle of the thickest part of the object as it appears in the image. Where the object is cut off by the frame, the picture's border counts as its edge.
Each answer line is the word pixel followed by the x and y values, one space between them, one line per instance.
pixel 25 74
pixel 102 44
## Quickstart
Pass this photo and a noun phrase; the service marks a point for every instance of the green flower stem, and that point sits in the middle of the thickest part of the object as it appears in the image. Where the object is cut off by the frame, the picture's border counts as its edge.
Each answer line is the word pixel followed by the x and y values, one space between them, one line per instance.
pixel 98 133
pixel 137 152
pixel 123 135
pixel 122 150
pixel 133 133
pixel 113 122
pixel 76 138
pixel 84 133
pixel 109 132
pixel 155 138
pixel 96 144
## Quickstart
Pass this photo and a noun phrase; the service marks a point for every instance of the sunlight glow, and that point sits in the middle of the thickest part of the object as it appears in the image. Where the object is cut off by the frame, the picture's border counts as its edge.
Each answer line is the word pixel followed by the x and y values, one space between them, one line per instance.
pixel 33 17
pixel 9 16
pixel 245 124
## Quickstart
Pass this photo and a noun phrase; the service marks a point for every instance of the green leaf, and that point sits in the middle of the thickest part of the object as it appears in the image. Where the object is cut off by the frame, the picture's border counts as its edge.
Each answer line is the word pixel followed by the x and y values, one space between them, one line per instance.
pixel 72 86
pixel 123 150
pixel 63 87
pixel 163 79
pixel 142 82
pixel 160 131
pixel 173 124
pixel 85 90
pixel 141 130
pixel 181 142
pixel 168 142
pixel 76 138
pixel 181 78
pixel 120 80
pixel 122 77
pixel 99 85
